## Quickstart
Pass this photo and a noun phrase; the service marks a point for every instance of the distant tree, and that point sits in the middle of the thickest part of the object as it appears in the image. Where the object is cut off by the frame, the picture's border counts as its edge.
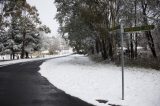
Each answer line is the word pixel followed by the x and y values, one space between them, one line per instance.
pixel 52 44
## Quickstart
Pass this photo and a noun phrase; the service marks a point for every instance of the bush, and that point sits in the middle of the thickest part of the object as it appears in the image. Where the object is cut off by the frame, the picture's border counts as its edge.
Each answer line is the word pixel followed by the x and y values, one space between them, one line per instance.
pixel 142 62
pixel 96 58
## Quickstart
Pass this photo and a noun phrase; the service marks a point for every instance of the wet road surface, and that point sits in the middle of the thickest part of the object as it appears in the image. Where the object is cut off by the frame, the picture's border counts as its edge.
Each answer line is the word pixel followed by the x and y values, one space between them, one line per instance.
pixel 22 85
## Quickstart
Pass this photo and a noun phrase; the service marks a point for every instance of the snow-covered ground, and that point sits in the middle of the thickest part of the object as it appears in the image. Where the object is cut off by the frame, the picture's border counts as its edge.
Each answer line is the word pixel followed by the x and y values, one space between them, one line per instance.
pixel 5 59
pixel 89 81
pixel 8 62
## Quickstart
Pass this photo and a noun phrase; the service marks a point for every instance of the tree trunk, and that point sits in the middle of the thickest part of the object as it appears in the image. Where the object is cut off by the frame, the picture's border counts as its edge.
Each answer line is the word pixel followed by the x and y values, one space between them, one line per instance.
pixel 13 56
pixel 136 43
pixel 131 44
pixel 97 46
pixel 148 33
pixel 110 51
pixel 104 52
pixel 151 43
pixel 23 45
pixel 27 54
pixel 77 49
pixel 22 52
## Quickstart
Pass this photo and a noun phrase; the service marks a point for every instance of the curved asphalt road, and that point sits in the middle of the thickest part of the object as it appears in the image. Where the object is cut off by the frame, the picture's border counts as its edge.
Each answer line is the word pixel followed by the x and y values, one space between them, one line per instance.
pixel 22 85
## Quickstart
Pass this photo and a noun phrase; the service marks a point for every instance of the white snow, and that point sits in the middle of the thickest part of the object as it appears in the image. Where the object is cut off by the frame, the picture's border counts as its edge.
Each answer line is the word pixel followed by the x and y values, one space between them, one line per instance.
pixel 89 81
pixel 6 57
pixel 45 52
pixel 8 61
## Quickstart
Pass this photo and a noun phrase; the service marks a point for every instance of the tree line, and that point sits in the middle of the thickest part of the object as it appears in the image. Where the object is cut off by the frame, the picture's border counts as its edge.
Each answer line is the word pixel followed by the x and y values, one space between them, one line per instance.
pixel 86 25
pixel 20 28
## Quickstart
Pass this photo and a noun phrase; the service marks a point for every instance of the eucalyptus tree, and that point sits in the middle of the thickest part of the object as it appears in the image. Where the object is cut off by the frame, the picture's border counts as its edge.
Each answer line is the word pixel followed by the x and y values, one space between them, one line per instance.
pixel 85 16
pixel 24 28
pixel 129 17
pixel 144 12
pixel 3 23
pixel 95 15
pixel 147 8
pixel 29 23
pixel 71 23
pixel 98 16
pixel 12 13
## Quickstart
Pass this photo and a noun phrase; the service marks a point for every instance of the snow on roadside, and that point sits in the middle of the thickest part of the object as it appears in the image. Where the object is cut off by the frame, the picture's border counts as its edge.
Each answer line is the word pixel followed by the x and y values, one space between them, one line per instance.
pixel 89 81
pixel 8 62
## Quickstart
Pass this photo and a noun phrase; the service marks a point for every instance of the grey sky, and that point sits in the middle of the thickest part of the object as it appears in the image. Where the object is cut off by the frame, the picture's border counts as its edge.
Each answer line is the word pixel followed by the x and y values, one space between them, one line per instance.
pixel 47 11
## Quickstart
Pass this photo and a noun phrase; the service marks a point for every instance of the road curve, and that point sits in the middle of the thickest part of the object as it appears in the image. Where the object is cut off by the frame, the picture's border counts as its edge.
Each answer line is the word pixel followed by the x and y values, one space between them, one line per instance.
pixel 22 85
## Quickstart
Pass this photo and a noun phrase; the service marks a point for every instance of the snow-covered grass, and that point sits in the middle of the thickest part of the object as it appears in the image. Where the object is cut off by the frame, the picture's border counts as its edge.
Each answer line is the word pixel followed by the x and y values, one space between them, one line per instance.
pixel 89 81
pixel 4 57
pixel 8 62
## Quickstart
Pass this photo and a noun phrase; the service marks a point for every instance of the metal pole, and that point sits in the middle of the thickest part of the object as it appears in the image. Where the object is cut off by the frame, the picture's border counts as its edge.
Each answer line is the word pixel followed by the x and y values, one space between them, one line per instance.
pixel 122 60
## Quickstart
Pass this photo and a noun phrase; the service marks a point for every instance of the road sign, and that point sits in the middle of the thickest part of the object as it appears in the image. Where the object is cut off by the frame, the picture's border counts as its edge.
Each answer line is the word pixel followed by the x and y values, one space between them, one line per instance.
pixel 115 28
pixel 140 28
pixel 122 31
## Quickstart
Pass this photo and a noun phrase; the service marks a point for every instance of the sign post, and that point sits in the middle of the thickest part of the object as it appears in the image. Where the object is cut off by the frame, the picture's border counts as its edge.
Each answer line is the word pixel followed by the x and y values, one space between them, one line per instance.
pixel 139 28
pixel 128 30
pixel 122 59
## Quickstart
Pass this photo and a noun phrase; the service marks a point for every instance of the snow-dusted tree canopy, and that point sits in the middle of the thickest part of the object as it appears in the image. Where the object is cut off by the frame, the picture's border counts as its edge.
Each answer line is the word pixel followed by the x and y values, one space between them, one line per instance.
pixel 51 44
pixel 86 24
pixel 20 28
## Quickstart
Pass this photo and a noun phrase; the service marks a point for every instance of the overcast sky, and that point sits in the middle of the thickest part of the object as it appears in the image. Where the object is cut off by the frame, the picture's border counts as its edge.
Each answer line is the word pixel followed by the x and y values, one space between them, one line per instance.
pixel 47 12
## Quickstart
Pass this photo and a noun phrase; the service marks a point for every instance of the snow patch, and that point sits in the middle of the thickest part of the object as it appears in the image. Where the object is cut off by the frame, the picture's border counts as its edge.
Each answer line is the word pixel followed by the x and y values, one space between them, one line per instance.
pixel 89 81
pixel 9 62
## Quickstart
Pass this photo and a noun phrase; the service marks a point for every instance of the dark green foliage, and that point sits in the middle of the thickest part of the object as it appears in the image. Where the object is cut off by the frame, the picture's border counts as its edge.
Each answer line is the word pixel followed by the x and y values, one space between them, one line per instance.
pixel 22 28
pixel 87 25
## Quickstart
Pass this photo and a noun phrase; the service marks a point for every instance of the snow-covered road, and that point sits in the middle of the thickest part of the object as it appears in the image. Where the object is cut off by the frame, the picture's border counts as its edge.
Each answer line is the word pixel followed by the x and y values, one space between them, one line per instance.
pixel 89 81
